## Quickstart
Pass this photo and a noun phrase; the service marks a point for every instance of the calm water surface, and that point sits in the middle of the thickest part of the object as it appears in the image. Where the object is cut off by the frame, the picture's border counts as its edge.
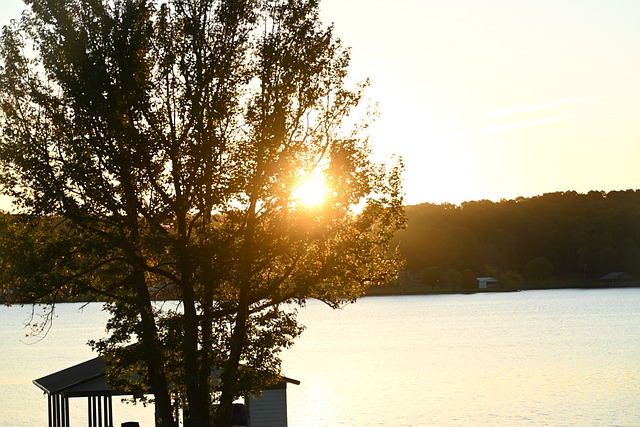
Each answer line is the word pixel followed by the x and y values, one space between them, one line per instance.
pixel 543 358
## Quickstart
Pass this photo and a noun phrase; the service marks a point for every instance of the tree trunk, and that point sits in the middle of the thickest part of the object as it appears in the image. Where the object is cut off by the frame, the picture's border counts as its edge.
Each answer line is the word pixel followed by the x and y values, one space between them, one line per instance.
pixel 197 391
pixel 238 338
pixel 198 396
pixel 230 374
pixel 155 366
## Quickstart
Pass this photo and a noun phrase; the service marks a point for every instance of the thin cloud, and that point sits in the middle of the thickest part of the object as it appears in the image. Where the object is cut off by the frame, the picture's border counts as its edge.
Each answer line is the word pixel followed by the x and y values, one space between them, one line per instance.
pixel 544 106
pixel 528 123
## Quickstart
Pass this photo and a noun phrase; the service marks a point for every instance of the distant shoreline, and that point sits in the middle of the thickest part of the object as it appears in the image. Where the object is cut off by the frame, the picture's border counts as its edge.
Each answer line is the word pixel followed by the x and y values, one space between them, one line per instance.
pixel 421 289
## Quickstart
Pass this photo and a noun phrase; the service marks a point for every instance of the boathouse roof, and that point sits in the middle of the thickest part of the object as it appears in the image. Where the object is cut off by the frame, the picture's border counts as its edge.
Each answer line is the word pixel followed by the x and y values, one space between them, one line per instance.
pixel 84 379
pixel 88 379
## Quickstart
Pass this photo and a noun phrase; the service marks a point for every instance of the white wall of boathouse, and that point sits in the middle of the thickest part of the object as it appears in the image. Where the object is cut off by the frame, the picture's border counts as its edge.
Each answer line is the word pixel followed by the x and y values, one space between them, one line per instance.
pixel 268 410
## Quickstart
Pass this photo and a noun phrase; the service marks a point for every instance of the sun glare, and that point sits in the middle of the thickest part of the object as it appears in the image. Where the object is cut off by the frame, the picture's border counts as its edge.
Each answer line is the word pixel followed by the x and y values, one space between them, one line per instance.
pixel 311 192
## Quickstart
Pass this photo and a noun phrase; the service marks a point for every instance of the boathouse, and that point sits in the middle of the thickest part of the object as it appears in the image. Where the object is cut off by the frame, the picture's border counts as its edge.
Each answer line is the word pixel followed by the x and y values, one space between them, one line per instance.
pixel 88 380
pixel 487 282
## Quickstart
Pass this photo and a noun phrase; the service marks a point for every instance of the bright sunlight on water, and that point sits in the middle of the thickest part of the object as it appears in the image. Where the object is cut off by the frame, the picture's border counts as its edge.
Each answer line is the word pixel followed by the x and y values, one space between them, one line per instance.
pixel 544 358
pixel 540 358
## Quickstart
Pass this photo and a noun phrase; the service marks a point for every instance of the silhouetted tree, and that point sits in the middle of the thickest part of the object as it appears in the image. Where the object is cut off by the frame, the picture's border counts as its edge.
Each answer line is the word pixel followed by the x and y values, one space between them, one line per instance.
pixel 538 269
pixel 160 144
pixel 431 276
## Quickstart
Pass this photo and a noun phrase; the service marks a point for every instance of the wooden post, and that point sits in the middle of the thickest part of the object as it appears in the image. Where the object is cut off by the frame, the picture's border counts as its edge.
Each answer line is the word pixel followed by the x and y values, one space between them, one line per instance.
pixel 99 411
pixel 89 424
pixel 89 411
pixel 108 412
pixel 92 411
pixel 65 404
pixel 56 410
pixel 51 416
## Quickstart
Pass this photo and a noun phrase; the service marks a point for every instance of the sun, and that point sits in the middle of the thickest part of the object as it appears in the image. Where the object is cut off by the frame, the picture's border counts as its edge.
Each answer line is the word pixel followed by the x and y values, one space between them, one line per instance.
pixel 311 192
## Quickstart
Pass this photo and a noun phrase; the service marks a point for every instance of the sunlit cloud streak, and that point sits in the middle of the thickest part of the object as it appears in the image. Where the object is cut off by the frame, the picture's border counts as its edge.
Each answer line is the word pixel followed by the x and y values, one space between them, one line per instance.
pixel 528 113
pixel 544 106
pixel 527 123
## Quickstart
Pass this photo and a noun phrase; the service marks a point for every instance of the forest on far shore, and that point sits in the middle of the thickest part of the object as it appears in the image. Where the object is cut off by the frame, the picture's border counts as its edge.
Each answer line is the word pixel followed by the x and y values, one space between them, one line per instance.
pixel 556 238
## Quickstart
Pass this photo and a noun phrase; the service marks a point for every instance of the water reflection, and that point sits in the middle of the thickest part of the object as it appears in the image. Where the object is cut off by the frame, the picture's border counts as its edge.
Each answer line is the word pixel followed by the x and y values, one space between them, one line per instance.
pixel 531 358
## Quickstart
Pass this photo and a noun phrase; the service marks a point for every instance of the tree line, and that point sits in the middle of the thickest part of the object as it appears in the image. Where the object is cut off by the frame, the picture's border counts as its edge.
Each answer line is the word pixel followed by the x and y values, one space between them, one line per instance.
pixel 525 240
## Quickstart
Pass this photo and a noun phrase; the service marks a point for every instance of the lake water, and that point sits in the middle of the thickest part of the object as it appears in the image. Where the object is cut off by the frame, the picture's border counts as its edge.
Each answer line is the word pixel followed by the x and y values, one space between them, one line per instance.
pixel 539 358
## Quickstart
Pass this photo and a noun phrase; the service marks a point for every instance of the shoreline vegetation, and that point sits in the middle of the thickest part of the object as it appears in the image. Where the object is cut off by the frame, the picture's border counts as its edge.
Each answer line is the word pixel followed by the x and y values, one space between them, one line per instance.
pixel 553 241
pixel 417 288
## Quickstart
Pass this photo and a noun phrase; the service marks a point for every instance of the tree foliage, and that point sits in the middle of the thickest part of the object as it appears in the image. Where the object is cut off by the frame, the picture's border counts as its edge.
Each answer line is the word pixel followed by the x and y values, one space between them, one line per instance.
pixel 157 145
pixel 566 234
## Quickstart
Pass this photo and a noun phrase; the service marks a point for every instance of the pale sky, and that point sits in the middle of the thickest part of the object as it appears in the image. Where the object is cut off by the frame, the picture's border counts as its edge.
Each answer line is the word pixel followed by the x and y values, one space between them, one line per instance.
pixel 492 99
